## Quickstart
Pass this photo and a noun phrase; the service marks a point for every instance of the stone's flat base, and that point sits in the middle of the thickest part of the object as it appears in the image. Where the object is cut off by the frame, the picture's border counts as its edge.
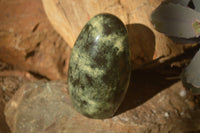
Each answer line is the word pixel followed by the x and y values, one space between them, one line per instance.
pixel 45 107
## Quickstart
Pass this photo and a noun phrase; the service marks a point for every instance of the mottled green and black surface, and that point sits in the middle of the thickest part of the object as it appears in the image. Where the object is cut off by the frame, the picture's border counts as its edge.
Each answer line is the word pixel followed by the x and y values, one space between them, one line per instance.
pixel 99 68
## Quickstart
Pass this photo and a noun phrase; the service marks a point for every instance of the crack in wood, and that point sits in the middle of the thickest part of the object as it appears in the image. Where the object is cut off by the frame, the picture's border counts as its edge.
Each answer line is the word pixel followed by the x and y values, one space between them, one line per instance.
pixel 32 52
pixel 35 27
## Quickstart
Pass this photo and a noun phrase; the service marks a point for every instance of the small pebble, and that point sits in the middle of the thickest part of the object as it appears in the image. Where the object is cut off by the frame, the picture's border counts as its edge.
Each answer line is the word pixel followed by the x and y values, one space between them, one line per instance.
pixel 135 117
pixel 182 93
pixel 114 119
pixel 166 114
pixel 182 113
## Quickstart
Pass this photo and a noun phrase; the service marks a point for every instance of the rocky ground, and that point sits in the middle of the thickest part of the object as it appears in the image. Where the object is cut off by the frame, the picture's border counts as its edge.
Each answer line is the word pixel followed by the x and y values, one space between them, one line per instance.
pixel 156 102
pixel 33 90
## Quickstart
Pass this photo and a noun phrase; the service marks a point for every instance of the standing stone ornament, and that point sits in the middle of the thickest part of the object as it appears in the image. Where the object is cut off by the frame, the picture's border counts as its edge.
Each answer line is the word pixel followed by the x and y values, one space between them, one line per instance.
pixel 99 67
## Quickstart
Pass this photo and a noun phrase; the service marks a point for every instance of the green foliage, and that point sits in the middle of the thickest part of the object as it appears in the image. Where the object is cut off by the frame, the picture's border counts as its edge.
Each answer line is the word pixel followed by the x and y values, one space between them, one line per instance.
pixel 191 75
pixel 178 18
pixel 196 27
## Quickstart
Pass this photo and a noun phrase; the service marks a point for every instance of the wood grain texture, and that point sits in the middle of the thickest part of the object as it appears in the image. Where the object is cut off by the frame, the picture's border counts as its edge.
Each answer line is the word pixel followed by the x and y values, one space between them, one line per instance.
pixel 146 44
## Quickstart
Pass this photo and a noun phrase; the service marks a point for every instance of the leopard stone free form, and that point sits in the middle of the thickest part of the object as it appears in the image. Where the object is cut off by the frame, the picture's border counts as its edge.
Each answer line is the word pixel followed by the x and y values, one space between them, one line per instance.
pixel 99 67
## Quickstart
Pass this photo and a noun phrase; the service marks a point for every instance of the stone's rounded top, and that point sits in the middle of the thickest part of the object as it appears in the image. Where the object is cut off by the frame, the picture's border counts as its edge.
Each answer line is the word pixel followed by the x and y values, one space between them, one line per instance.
pixel 102 30
pixel 107 24
pixel 107 16
pixel 108 21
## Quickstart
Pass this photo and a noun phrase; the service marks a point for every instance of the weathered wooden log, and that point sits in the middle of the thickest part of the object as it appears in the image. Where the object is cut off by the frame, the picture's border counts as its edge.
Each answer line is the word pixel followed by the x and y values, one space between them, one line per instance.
pixel 69 17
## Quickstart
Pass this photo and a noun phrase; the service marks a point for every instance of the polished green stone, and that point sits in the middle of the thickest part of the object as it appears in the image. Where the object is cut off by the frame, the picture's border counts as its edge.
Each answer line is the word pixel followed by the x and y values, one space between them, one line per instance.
pixel 99 67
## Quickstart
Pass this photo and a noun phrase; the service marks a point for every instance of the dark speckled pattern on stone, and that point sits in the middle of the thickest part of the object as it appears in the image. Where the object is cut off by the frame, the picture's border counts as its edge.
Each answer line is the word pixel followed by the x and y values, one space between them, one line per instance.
pixel 99 68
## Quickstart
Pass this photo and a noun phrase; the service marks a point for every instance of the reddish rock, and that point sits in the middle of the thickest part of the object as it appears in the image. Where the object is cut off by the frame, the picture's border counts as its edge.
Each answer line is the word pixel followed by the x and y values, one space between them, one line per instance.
pixel 37 105
pixel 45 107
pixel 4 127
pixel 28 41
pixel 168 111
pixel 10 81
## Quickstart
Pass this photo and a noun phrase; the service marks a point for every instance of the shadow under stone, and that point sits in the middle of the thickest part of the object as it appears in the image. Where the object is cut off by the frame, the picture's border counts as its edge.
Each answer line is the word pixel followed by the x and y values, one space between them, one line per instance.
pixel 146 82
pixel 142 44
